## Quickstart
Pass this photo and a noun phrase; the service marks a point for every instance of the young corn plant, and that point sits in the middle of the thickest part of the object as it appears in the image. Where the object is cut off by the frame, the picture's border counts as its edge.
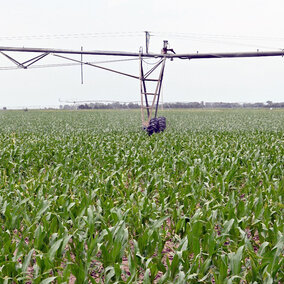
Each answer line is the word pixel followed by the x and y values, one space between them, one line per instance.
pixel 87 197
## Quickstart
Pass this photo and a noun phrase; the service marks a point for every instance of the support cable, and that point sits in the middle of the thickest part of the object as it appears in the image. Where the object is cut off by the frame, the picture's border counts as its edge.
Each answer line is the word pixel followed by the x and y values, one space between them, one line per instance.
pixel 153 69
pixel 97 66
pixel 66 64
pixel 149 63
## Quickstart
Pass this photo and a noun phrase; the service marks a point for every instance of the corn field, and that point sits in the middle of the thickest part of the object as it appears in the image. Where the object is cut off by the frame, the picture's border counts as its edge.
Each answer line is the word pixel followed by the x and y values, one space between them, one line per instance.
pixel 88 197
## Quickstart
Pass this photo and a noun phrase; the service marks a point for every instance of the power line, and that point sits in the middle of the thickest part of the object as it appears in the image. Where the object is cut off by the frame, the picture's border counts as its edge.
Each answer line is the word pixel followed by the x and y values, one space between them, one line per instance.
pixel 75 35
pixel 188 35
pixel 140 33
pixel 204 37
pixel 223 39
pixel 211 40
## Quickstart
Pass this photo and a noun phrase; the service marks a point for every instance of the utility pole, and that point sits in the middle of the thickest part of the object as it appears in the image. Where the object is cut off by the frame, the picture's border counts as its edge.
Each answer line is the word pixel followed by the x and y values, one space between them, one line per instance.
pixel 82 80
pixel 147 36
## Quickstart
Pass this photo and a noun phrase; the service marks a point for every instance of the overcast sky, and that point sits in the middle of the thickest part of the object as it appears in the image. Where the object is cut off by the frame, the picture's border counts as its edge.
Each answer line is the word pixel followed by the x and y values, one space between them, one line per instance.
pixel 190 26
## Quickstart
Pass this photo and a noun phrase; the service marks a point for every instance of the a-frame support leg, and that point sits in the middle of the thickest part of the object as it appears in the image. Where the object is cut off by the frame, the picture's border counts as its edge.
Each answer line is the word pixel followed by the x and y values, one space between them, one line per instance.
pixel 150 101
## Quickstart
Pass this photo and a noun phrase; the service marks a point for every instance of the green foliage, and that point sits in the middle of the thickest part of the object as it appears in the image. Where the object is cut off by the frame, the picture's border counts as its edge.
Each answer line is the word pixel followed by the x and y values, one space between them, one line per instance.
pixel 88 196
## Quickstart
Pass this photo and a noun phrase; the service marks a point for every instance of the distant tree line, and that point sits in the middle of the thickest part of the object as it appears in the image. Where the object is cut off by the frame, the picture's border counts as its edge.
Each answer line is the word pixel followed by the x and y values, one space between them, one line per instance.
pixel 115 105
pixel 181 105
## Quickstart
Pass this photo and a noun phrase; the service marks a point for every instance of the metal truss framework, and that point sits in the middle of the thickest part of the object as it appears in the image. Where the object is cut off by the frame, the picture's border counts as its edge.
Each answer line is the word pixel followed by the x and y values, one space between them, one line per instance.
pixel 149 100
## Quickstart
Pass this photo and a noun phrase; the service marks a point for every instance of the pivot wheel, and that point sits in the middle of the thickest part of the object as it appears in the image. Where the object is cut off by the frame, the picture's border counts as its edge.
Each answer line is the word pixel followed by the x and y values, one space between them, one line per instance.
pixel 162 123
pixel 156 125
pixel 153 126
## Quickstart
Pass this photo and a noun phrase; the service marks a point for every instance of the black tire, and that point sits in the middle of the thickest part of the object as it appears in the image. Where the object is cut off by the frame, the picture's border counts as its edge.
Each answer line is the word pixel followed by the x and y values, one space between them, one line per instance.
pixel 162 123
pixel 153 126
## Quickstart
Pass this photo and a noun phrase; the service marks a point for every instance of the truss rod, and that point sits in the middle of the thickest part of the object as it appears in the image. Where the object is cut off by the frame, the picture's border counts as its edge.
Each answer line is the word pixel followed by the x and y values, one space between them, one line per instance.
pixel 157 92
pixel 34 59
pixel 159 88
pixel 97 66
pixel 144 89
pixel 13 60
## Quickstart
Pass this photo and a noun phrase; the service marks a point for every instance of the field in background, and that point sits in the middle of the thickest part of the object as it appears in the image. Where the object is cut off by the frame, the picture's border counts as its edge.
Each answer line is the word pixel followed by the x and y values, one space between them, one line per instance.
pixel 87 195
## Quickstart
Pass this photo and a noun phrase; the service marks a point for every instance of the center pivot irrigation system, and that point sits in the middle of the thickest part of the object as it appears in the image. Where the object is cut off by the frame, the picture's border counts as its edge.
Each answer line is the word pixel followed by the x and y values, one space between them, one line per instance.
pixel 149 100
